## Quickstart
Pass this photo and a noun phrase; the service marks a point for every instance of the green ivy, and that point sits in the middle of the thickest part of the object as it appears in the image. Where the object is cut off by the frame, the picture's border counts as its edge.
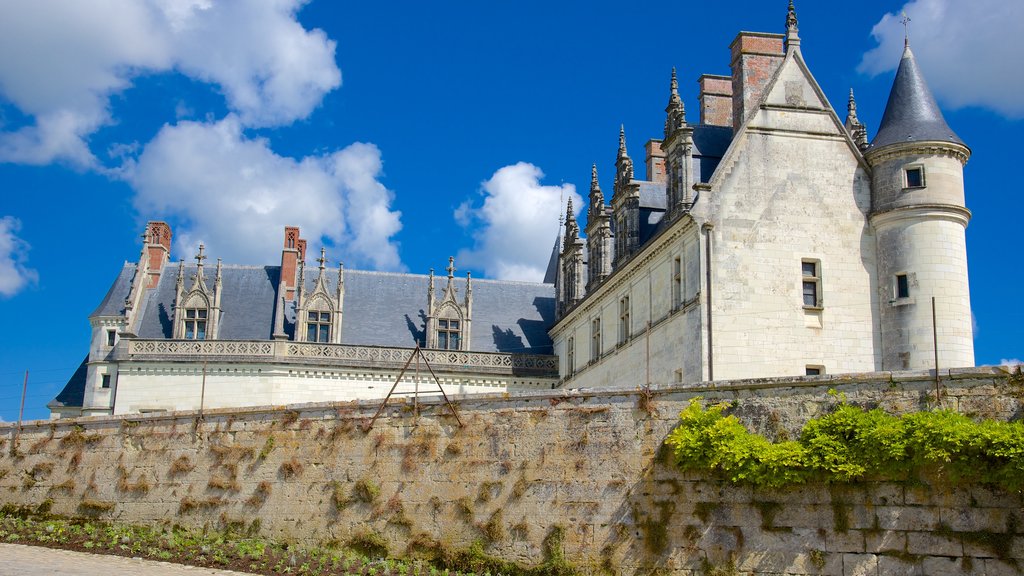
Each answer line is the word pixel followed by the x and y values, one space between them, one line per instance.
pixel 852 444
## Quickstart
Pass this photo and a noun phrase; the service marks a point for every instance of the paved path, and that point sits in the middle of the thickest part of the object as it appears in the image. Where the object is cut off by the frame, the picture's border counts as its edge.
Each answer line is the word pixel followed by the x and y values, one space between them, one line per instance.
pixel 19 560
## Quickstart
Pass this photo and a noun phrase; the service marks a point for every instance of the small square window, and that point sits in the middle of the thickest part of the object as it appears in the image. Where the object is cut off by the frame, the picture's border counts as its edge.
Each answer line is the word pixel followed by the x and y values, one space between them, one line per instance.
pixel 915 177
pixel 111 337
pixel 105 381
pixel 902 286
pixel 814 370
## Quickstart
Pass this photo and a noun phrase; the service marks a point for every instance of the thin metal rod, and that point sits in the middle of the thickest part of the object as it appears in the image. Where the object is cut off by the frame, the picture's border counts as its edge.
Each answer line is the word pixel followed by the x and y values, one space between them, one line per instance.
pixel 24 389
pixel 393 386
pixel 202 392
pixel 438 382
pixel 648 339
pixel 416 391
pixel 935 347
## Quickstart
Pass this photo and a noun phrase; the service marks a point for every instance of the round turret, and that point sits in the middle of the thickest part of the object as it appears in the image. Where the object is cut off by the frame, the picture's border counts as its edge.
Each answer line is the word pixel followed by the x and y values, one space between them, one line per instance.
pixel 920 218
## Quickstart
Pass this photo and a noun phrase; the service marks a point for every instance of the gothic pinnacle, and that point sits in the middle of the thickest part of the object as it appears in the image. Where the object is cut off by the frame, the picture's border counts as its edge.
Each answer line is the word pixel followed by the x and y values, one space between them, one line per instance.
pixel 851 106
pixel 675 83
pixel 791 21
pixel 593 178
pixel 622 141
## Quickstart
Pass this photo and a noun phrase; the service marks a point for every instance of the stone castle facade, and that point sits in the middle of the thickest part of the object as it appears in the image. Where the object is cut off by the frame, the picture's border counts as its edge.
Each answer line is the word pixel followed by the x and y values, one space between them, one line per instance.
pixel 770 238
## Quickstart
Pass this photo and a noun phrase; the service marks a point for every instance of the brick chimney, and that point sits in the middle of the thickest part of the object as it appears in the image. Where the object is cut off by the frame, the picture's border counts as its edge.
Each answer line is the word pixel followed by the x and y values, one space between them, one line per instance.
pixel 655 161
pixel 755 57
pixel 158 249
pixel 715 100
pixel 294 251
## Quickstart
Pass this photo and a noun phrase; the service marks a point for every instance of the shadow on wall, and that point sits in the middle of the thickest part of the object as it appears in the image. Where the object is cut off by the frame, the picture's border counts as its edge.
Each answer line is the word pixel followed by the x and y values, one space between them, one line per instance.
pixel 419 333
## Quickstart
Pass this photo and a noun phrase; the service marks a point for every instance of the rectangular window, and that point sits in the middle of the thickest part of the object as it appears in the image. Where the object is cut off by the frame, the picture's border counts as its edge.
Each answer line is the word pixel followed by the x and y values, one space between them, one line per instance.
pixel 811 273
pixel 623 319
pixel 570 357
pixel 595 339
pixel 915 177
pixel 105 381
pixel 195 323
pixel 902 286
pixel 448 334
pixel 318 326
pixel 111 337
pixel 814 370
pixel 677 282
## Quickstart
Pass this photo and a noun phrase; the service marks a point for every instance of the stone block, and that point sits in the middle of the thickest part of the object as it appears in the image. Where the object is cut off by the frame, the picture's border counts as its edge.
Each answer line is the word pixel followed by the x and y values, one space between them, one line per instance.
pixel 944 566
pixel 898 566
pixel 860 565
pixel 880 542
pixel 906 518
pixel 931 544
pixel 849 541
pixel 974 519
pixel 999 568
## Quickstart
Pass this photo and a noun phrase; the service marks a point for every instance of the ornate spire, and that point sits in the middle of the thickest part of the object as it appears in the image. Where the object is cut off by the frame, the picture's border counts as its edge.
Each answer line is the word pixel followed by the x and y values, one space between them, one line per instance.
pixel 198 278
pixel 853 125
pixel 594 186
pixel 323 258
pixel 792 30
pixel 451 267
pixel 596 196
pixel 675 111
pixel 572 229
pixel 622 144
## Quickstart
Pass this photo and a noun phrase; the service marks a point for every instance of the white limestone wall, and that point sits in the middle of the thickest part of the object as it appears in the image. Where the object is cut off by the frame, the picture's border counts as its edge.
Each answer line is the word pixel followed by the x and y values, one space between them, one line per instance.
pixel 792 188
pixel 99 364
pixel 669 350
pixel 930 248
pixel 166 386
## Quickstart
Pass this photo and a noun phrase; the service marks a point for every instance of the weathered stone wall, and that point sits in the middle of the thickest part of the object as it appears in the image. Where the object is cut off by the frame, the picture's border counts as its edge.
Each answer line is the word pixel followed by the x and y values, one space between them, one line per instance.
pixel 583 466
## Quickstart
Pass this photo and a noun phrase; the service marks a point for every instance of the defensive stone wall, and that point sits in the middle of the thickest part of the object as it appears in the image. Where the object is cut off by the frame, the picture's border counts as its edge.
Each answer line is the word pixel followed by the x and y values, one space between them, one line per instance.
pixel 527 477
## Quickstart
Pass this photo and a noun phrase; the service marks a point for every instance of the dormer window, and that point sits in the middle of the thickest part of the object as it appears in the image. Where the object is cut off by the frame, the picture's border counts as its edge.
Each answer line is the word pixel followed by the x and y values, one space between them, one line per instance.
pixel 448 334
pixel 195 323
pixel 318 326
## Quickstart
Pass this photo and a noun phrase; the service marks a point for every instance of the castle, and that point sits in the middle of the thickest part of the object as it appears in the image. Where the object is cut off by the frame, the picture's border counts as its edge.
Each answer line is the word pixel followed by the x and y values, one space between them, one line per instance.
pixel 769 239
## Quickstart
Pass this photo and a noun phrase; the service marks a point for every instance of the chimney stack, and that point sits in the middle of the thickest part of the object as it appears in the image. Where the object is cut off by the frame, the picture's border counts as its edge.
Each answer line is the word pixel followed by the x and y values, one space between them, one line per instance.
pixel 755 57
pixel 715 100
pixel 158 249
pixel 655 161
pixel 293 252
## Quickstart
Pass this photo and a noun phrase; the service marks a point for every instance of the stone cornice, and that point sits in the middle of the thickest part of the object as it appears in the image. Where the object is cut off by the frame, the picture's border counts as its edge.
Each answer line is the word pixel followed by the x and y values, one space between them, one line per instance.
pixel 949 212
pixel 932 148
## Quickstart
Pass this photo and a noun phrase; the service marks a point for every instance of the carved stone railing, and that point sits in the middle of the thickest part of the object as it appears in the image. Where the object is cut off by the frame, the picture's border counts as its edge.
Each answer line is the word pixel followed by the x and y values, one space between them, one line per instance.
pixel 334 355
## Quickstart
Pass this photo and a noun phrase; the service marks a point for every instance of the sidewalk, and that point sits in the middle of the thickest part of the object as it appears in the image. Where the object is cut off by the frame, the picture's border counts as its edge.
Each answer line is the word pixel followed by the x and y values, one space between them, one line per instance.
pixel 19 560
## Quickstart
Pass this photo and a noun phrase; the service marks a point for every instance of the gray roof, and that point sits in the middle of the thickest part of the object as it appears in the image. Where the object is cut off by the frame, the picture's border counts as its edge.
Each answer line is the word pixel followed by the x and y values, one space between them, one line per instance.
pixel 652 195
pixel 551 273
pixel 113 302
pixel 73 393
pixel 911 115
pixel 380 309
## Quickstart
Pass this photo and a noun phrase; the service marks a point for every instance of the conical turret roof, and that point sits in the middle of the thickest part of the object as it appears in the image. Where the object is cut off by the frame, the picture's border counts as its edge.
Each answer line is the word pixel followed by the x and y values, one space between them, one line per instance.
pixel 911 115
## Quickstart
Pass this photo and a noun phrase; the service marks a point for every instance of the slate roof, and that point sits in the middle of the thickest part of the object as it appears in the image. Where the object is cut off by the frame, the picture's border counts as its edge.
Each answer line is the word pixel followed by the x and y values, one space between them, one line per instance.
pixel 911 114
pixel 113 303
pixel 379 309
pixel 73 393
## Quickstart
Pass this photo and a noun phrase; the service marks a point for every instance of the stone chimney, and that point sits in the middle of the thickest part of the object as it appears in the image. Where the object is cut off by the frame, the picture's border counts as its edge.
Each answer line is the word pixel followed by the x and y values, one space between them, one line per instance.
pixel 294 251
pixel 158 250
pixel 755 57
pixel 715 100
pixel 655 161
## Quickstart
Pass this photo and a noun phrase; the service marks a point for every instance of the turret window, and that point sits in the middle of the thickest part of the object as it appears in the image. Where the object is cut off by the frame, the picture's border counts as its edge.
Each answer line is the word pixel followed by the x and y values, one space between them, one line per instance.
pixel 914 176
pixel 318 326
pixel 449 334
pixel 624 323
pixel 195 323
pixel 902 286
pixel 111 337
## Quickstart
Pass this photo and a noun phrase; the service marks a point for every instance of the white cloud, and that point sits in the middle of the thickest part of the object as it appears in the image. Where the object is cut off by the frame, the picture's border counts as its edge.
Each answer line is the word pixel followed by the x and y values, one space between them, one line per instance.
pixel 61 60
pixel 964 48
pixel 1011 362
pixel 236 195
pixel 517 224
pixel 14 275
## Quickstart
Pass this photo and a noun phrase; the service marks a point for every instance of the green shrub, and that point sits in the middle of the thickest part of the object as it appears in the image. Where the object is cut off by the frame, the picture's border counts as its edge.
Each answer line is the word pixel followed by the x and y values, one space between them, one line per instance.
pixel 852 444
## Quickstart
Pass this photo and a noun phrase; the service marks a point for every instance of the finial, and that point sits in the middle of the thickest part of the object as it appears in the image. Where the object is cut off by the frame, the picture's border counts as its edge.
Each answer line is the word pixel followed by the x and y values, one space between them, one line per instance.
pixel 201 256
pixel 675 112
pixel 622 143
pixel 593 178
pixel 791 21
pixel 675 83
pixel 851 106
pixel 451 267
pixel 323 257
pixel 569 216
pixel 906 29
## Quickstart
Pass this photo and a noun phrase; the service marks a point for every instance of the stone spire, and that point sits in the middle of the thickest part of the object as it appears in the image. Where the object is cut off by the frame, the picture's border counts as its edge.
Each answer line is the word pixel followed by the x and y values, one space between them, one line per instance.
pixel 857 131
pixel 792 28
pixel 596 196
pixel 572 229
pixel 675 112
pixel 623 163
pixel 622 142
pixel 911 114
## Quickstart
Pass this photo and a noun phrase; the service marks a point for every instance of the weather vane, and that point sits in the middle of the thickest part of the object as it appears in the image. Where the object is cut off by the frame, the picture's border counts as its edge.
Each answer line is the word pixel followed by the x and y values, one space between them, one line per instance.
pixel 906 29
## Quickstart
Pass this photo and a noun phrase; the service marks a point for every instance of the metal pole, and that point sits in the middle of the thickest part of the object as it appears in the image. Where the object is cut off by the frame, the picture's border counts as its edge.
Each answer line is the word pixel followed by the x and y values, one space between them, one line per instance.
pixel 202 393
pixel 648 339
pixel 24 388
pixel 416 392
pixel 935 347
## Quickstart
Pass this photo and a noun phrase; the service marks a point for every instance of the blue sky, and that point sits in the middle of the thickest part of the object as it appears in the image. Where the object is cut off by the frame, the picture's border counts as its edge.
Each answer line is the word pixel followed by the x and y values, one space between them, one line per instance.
pixel 397 134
